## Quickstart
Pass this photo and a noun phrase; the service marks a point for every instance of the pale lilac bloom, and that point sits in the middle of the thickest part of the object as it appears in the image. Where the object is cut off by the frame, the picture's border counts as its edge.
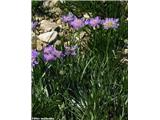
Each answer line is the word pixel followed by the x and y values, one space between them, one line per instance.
pixel 57 53
pixel 34 25
pixel 68 18
pixel 110 23
pixel 34 58
pixel 94 22
pixel 47 53
pixel 51 53
pixel 70 50
pixel 77 23
pixel 86 22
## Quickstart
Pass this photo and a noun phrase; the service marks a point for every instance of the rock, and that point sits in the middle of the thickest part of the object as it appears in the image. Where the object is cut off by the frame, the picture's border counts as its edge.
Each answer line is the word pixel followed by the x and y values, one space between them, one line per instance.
pixel 40 45
pixel 60 34
pixel 56 11
pixel 125 51
pixel 57 43
pixel 82 34
pixel 86 16
pixel 48 36
pixel 59 22
pixel 61 72
pixel 34 41
pixel 46 25
pixel 49 3
pixel 33 34
pixel 40 31
pixel 37 32
pixel 39 18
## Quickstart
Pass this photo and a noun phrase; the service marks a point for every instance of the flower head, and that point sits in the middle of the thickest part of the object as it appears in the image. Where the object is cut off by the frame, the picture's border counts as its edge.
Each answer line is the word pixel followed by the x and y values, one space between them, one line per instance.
pixel 50 53
pixel 70 50
pixel 68 18
pixel 34 58
pixel 94 22
pixel 86 22
pixel 34 25
pixel 110 23
pixel 77 23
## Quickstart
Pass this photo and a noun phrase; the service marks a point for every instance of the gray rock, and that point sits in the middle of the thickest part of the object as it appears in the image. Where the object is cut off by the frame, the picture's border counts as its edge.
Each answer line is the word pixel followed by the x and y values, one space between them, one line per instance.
pixel 47 25
pixel 57 43
pixel 86 16
pixel 56 10
pixel 48 36
pixel 40 45
pixel 59 22
pixel 82 34
pixel 34 41
pixel 49 3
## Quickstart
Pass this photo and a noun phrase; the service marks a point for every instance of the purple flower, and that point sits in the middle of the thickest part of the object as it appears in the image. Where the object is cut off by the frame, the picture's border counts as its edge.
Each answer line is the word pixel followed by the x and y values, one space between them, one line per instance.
pixel 110 23
pixel 34 58
pixel 77 23
pixel 68 18
pixel 50 53
pixel 34 24
pixel 70 50
pixel 94 22
pixel 86 22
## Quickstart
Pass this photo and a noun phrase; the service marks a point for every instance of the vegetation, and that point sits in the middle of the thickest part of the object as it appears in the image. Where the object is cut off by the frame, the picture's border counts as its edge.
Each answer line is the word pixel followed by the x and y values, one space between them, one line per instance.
pixel 93 84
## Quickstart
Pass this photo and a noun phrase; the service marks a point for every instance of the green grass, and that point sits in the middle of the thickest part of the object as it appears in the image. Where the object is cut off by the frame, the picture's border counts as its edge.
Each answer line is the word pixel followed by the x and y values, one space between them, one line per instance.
pixel 90 86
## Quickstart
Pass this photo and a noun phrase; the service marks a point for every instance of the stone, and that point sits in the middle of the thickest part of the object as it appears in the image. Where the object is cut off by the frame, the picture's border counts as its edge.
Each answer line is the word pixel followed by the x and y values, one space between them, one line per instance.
pixel 60 34
pixel 34 38
pixel 82 34
pixel 47 25
pixel 59 22
pixel 49 3
pixel 86 16
pixel 40 45
pixel 34 42
pixel 39 18
pixel 61 72
pixel 56 10
pixel 33 34
pixel 125 51
pixel 48 36
pixel 57 43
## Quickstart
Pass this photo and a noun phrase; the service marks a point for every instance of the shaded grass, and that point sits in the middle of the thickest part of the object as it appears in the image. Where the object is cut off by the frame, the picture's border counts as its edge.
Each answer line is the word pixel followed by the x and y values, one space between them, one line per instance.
pixel 95 85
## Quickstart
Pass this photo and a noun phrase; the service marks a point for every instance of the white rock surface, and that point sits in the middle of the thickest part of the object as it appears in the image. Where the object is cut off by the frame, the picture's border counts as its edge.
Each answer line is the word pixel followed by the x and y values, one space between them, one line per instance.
pixel 47 25
pixel 40 45
pixel 48 36
pixel 50 3
pixel 58 42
